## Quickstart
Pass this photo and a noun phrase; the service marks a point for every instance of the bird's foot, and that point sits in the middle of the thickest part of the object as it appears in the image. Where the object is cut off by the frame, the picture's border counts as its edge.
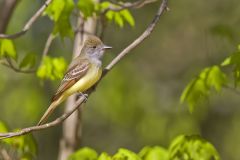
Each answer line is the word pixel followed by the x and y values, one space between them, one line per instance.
pixel 83 95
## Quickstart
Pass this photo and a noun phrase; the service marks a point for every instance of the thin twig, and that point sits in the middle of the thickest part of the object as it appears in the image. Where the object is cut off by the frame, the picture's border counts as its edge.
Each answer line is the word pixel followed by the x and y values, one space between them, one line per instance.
pixel 6 11
pixel 140 39
pixel 44 126
pixel 145 34
pixel 121 6
pixel 29 23
pixel 48 44
pixel 8 63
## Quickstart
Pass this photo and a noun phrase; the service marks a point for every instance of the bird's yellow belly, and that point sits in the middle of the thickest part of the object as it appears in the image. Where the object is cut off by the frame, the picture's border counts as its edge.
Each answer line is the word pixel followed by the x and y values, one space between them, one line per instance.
pixel 86 82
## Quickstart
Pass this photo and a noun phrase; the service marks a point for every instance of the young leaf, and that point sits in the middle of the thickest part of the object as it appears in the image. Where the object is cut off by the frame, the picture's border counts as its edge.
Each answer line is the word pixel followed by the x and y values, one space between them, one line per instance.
pixel 7 49
pixel 110 15
pixel 45 69
pixel 28 61
pixel 226 62
pixel 59 11
pixel 124 154
pixel 102 6
pixel 86 7
pixel 118 19
pixel 128 17
pixel 3 127
pixel 55 9
pixel 59 66
pixel 84 154
pixel 52 68
pixel 153 153
pixel 26 146
pixel 200 87
pixel 192 148
pixel 104 156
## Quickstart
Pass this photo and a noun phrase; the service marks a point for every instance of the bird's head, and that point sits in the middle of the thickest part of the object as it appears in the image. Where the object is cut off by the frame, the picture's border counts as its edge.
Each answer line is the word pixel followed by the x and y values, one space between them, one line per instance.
pixel 94 47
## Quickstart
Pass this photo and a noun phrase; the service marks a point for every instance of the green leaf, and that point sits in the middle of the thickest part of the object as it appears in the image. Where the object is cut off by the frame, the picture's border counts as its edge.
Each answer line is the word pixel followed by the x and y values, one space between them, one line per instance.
pixel 144 152
pixel 52 68
pixel 200 87
pixel 26 146
pixel 3 127
pixel 110 15
pixel 59 66
pixel 226 62
pixel 84 154
pixel 153 153
pixel 104 156
pixel 216 78
pixel 124 154
pixel 7 49
pixel 86 7
pixel 194 92
pixel 102 6
pixel 55 9
pixel 234 61
pixel 192 148
pixel 60 11
pixel 128 17
pixel 28 61
pixel 118 19
pixel 45 69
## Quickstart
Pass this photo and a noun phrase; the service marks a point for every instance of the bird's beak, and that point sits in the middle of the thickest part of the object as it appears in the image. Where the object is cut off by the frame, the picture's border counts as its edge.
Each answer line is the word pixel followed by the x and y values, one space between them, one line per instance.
pixel 106 47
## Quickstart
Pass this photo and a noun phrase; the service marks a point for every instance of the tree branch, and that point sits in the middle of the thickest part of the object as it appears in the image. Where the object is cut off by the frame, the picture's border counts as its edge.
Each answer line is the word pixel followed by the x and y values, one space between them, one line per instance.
pixel 140 39
pixel 29 23
pixel 48 45
pixel 6 12
pixel 121 6
pixel 78 103
pixel 44 126
pixel 8 63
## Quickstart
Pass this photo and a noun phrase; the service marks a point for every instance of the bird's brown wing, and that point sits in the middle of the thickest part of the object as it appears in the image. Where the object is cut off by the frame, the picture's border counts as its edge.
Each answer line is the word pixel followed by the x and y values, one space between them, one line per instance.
pixel 72 75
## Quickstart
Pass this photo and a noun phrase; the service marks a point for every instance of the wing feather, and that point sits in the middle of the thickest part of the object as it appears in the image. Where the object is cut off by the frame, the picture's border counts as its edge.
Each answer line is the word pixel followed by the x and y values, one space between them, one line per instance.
pixel 72 75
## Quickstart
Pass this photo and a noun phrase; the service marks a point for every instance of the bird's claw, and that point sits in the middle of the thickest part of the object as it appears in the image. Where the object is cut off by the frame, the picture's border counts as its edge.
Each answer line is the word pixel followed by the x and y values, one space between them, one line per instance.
pixel 83 95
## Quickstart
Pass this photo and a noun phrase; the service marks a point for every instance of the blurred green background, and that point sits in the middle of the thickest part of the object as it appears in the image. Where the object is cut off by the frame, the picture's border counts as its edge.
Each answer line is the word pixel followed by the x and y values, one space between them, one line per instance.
pixel 137 103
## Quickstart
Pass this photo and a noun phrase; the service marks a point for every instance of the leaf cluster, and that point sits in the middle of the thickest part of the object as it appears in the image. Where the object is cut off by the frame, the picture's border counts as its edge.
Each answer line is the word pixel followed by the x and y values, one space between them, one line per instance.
pixel 60 13
pixel 52 68
pixel 182 148
pixel 22 147
pixel 212 78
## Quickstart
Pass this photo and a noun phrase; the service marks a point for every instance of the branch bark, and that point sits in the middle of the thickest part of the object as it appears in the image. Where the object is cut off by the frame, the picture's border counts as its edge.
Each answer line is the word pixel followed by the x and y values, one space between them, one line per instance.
pixel 29 23
pixel 6 13
pixel 77 105
pixel 72 127
pixel 121 6
pixel 8 63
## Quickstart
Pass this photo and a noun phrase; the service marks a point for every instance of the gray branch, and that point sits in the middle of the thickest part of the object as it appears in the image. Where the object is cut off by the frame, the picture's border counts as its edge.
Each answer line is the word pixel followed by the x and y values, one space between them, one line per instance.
pixel 29 23
pixel 77 105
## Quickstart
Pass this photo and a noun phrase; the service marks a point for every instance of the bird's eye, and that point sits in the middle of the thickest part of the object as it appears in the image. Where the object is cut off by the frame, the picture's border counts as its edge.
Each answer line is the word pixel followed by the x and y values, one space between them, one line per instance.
pixel 94 47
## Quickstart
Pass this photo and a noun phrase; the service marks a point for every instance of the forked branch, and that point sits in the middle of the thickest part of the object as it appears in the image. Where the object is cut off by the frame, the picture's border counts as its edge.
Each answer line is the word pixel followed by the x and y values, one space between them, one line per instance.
pixel 29 23
pixel 134 44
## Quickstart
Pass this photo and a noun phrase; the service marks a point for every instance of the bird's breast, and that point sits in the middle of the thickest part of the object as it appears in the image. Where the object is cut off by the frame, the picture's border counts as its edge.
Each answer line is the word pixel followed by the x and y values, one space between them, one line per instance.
pixel 92 76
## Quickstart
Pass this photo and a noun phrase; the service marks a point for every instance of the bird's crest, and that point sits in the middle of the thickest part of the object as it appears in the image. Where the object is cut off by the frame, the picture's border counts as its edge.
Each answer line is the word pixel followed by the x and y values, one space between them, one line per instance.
pixel 92 41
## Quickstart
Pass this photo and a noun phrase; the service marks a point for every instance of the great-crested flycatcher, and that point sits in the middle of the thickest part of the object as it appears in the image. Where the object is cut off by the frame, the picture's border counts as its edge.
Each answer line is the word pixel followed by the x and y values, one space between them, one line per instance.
pixel 83 72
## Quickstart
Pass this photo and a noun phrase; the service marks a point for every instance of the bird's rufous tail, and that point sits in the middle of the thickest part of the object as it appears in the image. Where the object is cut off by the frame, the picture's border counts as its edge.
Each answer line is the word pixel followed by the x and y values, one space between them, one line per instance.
pixel 49 111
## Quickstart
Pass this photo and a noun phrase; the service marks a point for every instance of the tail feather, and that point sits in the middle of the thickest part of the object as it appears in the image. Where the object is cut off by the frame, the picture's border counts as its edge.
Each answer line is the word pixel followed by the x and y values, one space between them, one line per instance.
pixel 49 111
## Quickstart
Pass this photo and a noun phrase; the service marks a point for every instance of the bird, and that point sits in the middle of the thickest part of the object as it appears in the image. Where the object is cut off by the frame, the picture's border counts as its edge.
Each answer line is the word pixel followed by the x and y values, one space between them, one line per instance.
pixel 82 73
